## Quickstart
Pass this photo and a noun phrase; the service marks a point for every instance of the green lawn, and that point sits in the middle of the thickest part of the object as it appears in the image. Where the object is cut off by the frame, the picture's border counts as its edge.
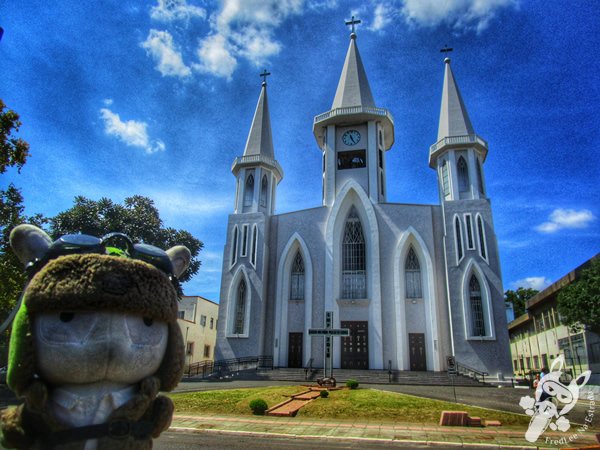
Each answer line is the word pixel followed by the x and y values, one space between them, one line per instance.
pixel 361 403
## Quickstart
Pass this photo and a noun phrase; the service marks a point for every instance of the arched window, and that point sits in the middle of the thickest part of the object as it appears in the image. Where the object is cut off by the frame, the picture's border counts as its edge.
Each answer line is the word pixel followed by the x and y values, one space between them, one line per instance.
pixel 459 244
pixel 354 279
pixel 297 278
pixel 477 320
pixel 254 243
pixel 249 190
pixel 240 309
pixel 412 275
pixel 480 176
pixel 234 245
pixel 264 186
pixel 445 179
pixel 463 174
pixel 481 233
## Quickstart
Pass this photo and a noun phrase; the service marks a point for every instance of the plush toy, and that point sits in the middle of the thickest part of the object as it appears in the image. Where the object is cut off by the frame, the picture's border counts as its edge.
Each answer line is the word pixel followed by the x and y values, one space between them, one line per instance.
pixel 94 340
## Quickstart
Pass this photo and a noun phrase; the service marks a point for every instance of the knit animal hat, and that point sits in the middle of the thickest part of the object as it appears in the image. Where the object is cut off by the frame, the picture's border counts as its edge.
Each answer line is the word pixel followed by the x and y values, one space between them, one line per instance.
pixel 92 282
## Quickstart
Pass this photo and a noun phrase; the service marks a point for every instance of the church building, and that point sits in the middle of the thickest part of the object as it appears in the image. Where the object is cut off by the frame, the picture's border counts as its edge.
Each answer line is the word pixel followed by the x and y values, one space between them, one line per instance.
pixel 414 284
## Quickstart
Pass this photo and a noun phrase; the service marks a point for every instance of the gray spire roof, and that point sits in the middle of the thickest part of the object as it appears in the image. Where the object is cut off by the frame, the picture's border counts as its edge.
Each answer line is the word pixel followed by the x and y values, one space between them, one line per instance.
pixel 454 119
pixel 353 88
pixel 260 140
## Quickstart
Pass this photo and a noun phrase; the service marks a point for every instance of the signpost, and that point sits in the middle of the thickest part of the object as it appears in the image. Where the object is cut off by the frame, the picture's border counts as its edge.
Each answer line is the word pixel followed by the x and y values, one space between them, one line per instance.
pixel 452 371
pixel 328 332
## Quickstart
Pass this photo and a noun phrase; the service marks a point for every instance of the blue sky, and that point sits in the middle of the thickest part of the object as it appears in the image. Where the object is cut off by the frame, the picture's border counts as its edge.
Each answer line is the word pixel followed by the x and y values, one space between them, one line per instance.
pixel 156 98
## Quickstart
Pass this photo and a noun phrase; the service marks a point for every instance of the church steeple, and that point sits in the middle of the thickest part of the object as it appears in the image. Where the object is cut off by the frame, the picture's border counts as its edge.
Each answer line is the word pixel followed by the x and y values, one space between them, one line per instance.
pixel 454 119
pixel 258 172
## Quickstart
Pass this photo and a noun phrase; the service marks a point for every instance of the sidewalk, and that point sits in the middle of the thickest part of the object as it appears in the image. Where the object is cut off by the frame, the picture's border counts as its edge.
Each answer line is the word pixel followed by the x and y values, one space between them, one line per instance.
pixel 365 431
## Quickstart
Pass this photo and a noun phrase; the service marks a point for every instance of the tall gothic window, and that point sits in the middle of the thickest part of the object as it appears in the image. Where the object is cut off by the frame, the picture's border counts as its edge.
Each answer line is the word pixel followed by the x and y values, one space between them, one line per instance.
pixel 480 232
pixel 297 278
pixel 240 309
pixel 463 174
pixel 445 179
pixel 234 246
pixel 412 275
pixel 249 190
pixel 459 244
pixel 480 176
pixel 254 243
pixel 477 321
pixel 354 275
pixel 263 191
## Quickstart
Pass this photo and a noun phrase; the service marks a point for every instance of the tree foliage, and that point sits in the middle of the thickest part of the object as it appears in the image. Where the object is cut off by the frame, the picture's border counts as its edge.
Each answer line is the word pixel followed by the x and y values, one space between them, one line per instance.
pixel 519 299
pixel 137 217
pixel 13 151
pixel 579 302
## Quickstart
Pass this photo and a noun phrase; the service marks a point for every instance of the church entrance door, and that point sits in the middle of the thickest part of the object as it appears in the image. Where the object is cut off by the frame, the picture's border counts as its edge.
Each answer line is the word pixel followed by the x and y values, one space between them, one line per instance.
pixel 416 343
pixel 355 348
pixel 295 350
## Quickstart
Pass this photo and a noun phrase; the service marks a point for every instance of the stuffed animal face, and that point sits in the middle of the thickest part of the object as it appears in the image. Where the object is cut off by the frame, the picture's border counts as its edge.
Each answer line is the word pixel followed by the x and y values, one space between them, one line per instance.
pixel 89 347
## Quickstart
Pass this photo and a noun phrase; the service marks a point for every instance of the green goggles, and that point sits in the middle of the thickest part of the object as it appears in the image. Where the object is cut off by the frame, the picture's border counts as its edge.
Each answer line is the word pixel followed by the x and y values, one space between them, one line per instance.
pixel 116 244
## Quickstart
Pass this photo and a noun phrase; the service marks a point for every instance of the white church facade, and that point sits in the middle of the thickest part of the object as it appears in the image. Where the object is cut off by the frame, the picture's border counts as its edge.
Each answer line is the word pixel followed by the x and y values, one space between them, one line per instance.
pixel 413 283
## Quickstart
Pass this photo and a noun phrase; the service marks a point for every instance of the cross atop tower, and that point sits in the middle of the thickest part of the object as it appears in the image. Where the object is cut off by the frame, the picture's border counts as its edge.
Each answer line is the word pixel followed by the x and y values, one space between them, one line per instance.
pixel 446 49
pixel 352 22
pixel 265 74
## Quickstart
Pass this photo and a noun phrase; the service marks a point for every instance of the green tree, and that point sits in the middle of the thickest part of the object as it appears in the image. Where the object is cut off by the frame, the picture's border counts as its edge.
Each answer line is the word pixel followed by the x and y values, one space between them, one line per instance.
pixel 579 302
pixel 519 299
pixel 13 151
pixel 137 217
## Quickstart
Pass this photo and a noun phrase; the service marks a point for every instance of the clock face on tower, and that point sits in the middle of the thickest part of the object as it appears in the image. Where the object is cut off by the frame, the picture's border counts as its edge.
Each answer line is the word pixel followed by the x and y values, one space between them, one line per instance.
pixel 351 137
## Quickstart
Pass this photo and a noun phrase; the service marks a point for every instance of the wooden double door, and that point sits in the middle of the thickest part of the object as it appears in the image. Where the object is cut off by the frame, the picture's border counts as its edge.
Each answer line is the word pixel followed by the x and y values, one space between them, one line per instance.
pixel 416 345
pixel 295 350
pixel 355 348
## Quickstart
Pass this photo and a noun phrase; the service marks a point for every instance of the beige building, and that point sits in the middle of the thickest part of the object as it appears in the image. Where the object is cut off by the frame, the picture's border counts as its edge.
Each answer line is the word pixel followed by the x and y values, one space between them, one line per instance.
pixel 537 337
pixel 197 318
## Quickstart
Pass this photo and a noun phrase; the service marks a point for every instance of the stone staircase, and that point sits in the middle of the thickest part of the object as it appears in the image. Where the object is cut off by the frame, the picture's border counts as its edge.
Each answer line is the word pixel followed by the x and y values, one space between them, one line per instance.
pixel 363 377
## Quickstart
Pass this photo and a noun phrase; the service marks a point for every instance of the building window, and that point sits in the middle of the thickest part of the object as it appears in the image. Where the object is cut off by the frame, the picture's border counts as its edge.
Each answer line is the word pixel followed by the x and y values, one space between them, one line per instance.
pixel 481 234
pixel 539 323
pixel 297 278
pixel 480 176
pixel 445 178
pixel 380 159
pixel 463 174
pixel 470 240
pixel 354 276
pixel 459 244
pixel 207 351
pixel 380 138
pixel 244 240
pixel 249 190
pixel 234 246
pixel 412 275
pixel 240 309
pixel 381 182
pixel 354 159
pixel 254 242
pixel 203 321
pixel 477 320
pixel 536 362
pixel 180 314
pixel 212 323
pixel 264 186
pixel 189 348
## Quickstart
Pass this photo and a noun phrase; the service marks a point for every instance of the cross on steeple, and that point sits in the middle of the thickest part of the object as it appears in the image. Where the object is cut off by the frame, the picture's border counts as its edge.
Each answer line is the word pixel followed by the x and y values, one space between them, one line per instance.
pixel 446 49
pixel 265 74
pixel 352 22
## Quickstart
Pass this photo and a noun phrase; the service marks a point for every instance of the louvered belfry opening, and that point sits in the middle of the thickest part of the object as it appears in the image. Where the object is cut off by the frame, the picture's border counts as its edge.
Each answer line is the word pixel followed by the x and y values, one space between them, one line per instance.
pixel 354 275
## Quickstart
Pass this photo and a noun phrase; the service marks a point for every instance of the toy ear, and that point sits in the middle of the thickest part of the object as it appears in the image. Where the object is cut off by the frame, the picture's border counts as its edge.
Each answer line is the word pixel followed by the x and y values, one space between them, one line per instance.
pixel 180 257
pixel 29 243
pixel 583 378
pixel 559 361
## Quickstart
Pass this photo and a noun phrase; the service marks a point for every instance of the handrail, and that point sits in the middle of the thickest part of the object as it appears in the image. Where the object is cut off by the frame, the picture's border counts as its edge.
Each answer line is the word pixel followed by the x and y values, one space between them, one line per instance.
pixel 308 368
pixel 226 366
pixel 464 139
pixel 354 110
pixel 470 372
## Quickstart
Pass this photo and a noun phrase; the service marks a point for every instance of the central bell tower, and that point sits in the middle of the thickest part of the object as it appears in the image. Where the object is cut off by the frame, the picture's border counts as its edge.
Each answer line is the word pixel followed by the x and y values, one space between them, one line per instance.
pixel 354 134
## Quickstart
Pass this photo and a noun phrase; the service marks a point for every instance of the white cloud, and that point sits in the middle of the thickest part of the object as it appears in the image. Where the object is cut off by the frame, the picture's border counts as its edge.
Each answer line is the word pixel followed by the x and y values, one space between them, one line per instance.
pixel 178 203
pixel 460 14
pixel 381 18
pixel 537 283
pixel 215 57
pixel 107 101
pixel 131 132
pixel 159 45
pixel 566 218
pixel 171 10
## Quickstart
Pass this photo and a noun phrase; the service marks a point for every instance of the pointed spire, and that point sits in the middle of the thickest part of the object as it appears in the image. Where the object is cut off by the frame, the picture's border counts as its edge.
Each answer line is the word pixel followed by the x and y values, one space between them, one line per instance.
pixel 260 140
pixel 454 119
pixel 353 88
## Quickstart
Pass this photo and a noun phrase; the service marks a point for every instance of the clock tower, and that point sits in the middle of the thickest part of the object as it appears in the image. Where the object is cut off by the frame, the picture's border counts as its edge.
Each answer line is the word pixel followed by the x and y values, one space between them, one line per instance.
pixel 354 134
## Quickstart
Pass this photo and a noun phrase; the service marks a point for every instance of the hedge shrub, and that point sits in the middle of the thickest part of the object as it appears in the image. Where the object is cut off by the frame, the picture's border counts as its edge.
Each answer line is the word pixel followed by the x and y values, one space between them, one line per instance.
pixel 258 406
pixel 352 384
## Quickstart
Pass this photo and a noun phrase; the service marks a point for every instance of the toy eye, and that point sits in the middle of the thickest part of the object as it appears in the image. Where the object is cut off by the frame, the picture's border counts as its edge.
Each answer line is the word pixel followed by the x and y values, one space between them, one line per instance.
pixel 148 321
pixel 66 316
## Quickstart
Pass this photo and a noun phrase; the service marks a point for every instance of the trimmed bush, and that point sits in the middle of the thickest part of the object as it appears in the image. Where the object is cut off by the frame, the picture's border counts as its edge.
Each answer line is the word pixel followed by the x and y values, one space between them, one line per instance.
pixel 324 394
pixel 258 406
pixel 352 384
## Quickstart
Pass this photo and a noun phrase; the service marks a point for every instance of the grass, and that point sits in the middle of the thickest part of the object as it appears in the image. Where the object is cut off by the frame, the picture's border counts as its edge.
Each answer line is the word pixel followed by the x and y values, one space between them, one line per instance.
pixel 364 404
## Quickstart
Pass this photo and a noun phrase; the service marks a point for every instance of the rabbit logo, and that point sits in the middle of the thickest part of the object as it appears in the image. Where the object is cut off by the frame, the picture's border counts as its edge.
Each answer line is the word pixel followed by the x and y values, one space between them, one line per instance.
pixel 553 400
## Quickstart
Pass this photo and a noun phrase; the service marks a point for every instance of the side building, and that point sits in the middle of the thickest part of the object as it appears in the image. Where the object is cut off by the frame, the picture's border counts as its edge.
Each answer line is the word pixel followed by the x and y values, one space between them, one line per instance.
pixel 197 319
pixel 538 337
